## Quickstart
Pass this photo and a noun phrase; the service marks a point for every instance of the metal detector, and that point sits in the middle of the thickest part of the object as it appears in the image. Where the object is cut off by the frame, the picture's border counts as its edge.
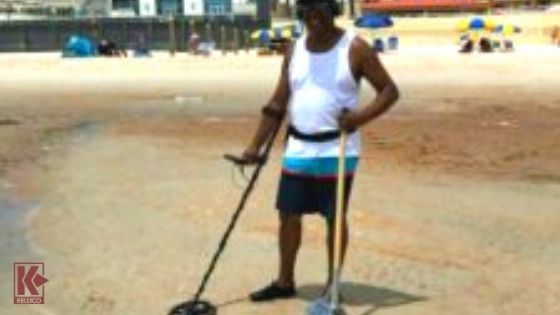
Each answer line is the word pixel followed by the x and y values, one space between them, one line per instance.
pixel 196 306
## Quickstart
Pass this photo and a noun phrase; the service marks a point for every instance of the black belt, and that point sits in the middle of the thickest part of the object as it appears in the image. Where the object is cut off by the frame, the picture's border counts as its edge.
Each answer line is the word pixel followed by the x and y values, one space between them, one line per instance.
pixel 314 137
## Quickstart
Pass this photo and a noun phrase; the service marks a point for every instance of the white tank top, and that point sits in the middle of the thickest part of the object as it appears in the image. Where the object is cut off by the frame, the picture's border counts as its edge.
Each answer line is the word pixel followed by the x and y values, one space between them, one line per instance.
pixel 322 84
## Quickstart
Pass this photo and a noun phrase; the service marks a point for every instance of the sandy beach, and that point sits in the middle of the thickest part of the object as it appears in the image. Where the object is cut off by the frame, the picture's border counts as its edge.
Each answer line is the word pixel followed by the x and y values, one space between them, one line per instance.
pixel 112 175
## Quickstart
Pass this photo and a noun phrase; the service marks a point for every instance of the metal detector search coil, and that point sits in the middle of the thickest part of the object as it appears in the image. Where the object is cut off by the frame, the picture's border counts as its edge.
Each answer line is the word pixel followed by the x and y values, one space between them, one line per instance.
pixel 194 308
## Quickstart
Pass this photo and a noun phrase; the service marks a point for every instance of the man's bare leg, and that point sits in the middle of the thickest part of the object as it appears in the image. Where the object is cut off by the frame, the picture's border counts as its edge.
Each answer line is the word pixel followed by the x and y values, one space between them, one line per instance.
pixel 289 238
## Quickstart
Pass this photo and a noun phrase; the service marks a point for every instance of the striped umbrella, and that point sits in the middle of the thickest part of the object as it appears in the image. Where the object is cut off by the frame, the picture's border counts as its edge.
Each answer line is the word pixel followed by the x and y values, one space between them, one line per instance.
pixel 476 23
pixel 262 34
pixel 507 29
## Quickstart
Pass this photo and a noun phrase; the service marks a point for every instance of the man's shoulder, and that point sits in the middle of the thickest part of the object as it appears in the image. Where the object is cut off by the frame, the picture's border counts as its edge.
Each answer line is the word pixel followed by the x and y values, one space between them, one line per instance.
pixel 359 50
pixel 359 45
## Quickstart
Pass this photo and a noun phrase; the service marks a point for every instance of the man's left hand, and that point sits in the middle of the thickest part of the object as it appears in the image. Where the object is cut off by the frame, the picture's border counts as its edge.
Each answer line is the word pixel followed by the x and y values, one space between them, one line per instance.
pixel 349 120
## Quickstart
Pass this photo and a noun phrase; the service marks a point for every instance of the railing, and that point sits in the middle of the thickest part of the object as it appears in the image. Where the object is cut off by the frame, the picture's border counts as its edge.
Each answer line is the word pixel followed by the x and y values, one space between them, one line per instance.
pixel 52 34
pixel 422 5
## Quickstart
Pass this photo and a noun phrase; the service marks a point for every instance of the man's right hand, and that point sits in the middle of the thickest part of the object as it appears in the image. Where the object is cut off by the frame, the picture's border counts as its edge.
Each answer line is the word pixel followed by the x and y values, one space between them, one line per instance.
pixel 250 156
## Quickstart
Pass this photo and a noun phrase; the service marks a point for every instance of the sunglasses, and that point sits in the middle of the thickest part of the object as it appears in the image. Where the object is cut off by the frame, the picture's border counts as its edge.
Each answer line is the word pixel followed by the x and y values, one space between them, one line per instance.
pixel 302 9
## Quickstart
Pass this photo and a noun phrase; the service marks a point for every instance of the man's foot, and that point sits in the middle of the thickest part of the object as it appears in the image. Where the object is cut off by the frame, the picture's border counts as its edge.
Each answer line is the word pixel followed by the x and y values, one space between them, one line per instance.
pixel 272 292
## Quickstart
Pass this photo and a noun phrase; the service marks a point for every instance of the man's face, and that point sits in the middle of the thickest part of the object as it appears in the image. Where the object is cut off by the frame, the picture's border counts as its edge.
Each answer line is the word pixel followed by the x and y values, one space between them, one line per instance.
pixel 316 16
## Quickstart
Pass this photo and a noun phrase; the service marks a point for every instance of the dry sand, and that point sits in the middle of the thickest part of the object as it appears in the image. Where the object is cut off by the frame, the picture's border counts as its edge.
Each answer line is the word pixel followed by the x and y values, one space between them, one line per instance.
pixel 116 165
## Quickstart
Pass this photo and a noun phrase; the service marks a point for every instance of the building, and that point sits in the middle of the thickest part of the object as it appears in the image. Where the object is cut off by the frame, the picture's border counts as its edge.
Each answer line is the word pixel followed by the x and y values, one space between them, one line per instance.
pixel 33 9
pixel 30 9
pixel 183 7
pixel 443 5
pixel 421 5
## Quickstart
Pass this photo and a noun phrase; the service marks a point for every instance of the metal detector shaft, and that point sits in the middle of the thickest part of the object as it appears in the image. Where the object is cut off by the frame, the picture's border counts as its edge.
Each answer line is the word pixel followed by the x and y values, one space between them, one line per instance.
pixel 237 213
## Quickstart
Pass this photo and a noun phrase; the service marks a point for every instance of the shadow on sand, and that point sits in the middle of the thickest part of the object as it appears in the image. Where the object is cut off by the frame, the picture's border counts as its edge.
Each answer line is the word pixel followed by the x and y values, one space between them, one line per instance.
pixel 354 294
pixel 358 294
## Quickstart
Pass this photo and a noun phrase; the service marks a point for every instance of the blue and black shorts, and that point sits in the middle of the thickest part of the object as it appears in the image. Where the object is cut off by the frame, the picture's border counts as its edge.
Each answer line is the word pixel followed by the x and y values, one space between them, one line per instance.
pixel 308 185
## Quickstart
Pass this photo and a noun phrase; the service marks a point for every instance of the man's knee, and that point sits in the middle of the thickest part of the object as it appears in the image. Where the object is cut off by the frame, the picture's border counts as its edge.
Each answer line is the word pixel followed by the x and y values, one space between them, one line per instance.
pixel 331 219
pixel 289 219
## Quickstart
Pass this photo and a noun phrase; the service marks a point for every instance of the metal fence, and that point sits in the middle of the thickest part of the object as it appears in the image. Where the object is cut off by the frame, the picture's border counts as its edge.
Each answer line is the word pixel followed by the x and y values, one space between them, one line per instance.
pixel 159 33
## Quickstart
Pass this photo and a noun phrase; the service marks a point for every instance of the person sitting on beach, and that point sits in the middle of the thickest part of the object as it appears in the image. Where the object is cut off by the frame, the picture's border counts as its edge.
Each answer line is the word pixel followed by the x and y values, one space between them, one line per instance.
pixel 108 48
pixel 555 35
pixel 194 42
pixel 485 45
pixel 466 44
pixel 318 87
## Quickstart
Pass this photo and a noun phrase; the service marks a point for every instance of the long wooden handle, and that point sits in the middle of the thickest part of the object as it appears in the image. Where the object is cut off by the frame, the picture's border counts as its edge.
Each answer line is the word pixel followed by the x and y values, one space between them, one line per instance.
pixel 338 219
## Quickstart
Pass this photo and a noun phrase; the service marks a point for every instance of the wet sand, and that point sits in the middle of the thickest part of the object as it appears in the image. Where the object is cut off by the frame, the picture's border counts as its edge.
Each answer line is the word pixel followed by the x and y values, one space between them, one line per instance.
pixel 455 208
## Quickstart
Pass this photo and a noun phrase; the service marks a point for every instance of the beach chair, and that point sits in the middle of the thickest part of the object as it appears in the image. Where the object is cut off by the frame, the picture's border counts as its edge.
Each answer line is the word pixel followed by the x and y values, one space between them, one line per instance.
pixel 393 43
pixel 508 45
pixel 378 45
pixel 265 52
pixel 205 48
pixel 466 46
pixel 141 52
pixel 140 45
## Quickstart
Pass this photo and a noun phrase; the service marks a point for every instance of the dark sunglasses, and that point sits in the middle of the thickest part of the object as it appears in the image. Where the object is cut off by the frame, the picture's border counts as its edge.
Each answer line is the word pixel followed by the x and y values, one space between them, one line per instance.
pixel 302 9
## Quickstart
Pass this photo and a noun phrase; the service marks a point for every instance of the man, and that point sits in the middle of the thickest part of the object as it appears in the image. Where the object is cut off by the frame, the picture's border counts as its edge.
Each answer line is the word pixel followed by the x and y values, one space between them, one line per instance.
pixel 318 87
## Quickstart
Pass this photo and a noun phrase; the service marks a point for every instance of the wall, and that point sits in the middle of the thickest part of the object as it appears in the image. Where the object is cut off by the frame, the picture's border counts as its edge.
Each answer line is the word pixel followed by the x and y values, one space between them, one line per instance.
pixel 50 35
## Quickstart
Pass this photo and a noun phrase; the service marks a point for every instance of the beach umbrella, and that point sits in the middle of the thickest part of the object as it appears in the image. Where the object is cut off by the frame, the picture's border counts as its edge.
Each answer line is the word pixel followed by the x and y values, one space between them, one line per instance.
pixel 276 33
pixel 263 32
pixel 373 21
pixel 288 34
pixel 507 29
pixel 262 35
pixel 291 31
pixel 476 23
pixel 286 30
pixel 489 24
pixel 463 25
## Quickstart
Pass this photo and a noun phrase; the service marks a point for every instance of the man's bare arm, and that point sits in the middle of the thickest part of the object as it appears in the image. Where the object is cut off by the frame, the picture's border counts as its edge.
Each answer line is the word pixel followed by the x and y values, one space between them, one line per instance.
pixel 273 115
pixel 366 64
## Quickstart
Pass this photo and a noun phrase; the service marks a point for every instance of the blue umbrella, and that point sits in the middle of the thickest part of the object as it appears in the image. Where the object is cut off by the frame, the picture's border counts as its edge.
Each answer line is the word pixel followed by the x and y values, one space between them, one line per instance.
pixel 373 21
pixel 477 23
pixel 262 35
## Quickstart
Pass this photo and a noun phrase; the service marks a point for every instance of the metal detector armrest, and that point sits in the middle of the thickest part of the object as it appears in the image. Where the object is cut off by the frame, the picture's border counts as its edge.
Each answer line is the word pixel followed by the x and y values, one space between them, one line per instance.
pixel 239 161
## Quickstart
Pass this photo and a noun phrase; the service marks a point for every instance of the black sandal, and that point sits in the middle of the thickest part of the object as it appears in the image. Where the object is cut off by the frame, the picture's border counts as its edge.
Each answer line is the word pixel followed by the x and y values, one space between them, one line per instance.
pixel 272 292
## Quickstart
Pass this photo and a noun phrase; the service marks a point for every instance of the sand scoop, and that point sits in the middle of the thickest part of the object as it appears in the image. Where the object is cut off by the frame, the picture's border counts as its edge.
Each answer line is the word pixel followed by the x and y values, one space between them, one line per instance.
pixel 196 306
pixel 330 304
